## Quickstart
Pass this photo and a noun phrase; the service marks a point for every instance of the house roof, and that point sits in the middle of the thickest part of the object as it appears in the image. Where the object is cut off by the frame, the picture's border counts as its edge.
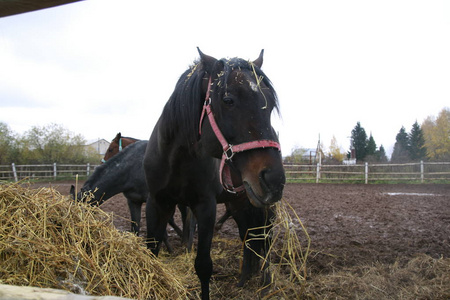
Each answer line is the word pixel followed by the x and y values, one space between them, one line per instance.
pixel 90 142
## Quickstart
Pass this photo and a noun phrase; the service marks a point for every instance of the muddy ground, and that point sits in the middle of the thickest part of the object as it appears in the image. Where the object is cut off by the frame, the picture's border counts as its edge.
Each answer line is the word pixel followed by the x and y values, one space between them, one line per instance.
pixel 349 225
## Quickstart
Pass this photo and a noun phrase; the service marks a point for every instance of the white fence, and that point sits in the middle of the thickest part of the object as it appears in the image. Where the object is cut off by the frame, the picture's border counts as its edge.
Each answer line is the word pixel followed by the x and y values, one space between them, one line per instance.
pixel 53 171
pixel 416 172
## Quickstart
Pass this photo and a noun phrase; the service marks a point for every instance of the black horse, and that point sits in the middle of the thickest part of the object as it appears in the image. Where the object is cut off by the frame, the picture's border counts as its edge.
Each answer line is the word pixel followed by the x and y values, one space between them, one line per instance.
pixel 214 140
pixel 123 173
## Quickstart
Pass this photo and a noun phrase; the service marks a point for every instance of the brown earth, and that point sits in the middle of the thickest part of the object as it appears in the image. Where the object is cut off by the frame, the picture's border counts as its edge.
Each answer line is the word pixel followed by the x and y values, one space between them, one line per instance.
pixel 349 225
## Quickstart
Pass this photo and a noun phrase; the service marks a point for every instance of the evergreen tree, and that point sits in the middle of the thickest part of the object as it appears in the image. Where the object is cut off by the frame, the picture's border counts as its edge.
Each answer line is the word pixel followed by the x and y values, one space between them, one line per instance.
pixel 382 154
pixel 371 150
pixel 417 150
pixel 371 146
pixel 359 141
pixel 401 147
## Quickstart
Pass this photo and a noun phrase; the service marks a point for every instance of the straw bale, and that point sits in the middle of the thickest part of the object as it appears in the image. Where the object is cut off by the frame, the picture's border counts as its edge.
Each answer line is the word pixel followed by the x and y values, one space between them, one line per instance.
pixel 47 240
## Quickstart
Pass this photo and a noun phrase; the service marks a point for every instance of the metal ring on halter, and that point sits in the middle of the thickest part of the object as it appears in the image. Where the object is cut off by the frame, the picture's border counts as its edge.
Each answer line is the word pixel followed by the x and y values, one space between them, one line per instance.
pixel 230 156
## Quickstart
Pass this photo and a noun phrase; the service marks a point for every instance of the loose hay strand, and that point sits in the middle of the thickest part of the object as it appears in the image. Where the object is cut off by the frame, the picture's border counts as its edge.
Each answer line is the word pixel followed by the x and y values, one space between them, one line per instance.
pixel 286 256
pixel 290 270
pixel 48 240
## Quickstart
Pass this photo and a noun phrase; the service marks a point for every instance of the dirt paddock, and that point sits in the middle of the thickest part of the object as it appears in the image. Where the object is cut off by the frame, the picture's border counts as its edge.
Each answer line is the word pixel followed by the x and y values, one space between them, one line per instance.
pixel 349 225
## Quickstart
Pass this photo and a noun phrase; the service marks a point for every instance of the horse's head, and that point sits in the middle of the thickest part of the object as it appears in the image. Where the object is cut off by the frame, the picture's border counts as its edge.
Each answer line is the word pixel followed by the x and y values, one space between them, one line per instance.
pixel 114 147
pixel 84 195
pixel 241 100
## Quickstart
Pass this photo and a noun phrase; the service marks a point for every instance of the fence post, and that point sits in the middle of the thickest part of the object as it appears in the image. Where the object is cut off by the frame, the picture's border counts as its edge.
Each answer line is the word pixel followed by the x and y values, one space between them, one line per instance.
pixel 88 169
pixel 318 173
pixel 366 172
pixel 54 170
pixel 14 171
pixel 421 171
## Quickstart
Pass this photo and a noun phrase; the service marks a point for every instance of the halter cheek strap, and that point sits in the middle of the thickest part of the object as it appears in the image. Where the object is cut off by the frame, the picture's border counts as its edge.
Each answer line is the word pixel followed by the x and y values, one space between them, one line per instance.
pixel 120 149
pixel 228 149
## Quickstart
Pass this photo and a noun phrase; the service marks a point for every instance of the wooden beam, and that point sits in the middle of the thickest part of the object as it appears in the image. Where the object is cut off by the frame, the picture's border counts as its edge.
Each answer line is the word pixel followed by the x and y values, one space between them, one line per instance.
pixel 13 7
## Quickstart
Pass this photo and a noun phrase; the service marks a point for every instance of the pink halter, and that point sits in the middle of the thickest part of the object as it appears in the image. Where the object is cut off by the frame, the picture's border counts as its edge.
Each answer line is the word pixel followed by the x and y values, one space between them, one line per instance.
pixel 228 149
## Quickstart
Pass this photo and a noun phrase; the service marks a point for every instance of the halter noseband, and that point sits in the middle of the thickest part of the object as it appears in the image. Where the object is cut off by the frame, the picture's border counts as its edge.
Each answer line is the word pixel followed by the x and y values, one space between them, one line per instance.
pixel 228 149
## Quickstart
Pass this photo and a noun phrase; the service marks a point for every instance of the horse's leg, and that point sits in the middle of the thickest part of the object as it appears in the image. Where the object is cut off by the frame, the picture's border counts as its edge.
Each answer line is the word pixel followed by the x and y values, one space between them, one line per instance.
pixel 135 211
pixel 190 224
pixel 175 227
pixel 205 212
pixel 260 219
pixel 157 217
pixel 223 218
pixel 166 242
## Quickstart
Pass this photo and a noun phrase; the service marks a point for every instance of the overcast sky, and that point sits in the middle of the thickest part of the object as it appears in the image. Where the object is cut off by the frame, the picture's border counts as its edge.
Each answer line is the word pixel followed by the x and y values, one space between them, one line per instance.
pixel 103 66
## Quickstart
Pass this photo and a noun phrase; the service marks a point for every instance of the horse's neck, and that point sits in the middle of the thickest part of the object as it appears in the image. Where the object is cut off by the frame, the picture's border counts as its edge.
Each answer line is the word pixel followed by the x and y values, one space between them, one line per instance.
pixel 128 141
pixel 109 182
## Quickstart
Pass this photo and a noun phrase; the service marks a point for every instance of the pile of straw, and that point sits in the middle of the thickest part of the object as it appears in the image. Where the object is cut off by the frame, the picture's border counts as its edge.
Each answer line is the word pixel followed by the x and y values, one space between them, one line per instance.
pixel 47 240
pixel 421 277
pixel 287 262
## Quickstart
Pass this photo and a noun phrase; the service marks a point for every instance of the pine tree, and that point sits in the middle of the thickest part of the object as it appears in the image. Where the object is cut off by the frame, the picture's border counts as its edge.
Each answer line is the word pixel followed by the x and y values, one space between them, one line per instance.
pixel 417 150
pixel 371 150
pixel 371 146
pixel 401 153
pixel 382 154
pixel 359 141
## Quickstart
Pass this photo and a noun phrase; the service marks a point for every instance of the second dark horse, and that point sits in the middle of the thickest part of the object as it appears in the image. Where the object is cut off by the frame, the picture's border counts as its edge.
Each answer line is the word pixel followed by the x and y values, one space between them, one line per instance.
pixel 215 138
pixel 123 173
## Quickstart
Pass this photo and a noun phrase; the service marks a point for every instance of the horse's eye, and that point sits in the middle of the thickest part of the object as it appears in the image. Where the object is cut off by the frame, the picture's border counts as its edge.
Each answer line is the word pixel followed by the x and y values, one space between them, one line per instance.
pixel 228 101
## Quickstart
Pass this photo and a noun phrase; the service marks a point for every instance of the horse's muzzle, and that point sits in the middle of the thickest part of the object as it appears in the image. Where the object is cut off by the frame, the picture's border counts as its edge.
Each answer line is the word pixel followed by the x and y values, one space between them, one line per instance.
pixel 270 190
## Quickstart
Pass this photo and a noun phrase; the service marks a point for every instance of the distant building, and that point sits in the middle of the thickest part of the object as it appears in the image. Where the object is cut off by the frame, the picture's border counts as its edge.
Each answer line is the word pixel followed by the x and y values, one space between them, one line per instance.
pixel 349 161
pixel 99 146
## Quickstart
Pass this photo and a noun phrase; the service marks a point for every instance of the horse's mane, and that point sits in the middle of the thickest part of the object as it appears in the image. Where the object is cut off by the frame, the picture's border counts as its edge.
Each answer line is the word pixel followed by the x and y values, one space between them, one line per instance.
pixel 182 112
pixel 130 138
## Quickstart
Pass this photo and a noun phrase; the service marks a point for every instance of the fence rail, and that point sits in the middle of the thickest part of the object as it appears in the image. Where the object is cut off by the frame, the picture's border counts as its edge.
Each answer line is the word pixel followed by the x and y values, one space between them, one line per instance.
pixel 418 172
pixel 54 171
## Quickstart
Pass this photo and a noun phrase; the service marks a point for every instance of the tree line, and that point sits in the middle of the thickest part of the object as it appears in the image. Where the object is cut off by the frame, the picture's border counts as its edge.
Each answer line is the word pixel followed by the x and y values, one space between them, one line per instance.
pixel 429 141
pixel 43 145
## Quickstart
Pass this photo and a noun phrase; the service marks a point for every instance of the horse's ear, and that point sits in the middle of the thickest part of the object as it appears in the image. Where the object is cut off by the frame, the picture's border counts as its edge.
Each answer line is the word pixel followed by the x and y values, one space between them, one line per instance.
pixel 259 61
pixel 118 136
pixel 72 191
pixel 207 61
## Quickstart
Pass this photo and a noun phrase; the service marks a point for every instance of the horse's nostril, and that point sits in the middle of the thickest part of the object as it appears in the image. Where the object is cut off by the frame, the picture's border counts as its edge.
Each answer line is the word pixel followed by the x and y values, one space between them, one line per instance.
pixel 272 180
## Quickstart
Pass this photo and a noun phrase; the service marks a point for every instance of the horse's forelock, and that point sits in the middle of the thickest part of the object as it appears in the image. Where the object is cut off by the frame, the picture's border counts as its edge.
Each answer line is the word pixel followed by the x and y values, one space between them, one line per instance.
pixel 244 65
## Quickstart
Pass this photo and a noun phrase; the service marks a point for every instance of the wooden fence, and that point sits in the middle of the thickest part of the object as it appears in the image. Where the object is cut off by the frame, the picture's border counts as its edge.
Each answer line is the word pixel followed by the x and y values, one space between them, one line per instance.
pixel 362 173
pixel 45 171
pixel 365 173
